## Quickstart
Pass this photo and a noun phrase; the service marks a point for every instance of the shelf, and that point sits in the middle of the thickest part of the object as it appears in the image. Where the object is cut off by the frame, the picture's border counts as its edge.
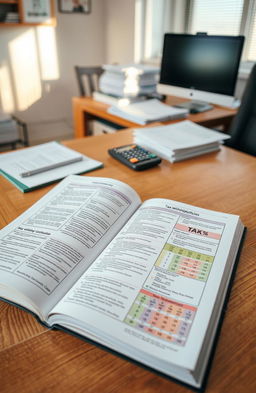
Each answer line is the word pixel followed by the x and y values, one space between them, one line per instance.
pixel 26 14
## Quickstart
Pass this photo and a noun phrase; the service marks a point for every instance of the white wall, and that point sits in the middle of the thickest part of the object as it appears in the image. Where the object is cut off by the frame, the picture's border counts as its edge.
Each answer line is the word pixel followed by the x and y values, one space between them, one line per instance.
pixel 46 104
pixel 240 86
pixel 120 19
pixel 106 35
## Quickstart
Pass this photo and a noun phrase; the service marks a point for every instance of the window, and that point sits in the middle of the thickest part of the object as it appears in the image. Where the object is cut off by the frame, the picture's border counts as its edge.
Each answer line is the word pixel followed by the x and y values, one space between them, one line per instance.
pixel 215 17
pixel 229 17
pixel 251 36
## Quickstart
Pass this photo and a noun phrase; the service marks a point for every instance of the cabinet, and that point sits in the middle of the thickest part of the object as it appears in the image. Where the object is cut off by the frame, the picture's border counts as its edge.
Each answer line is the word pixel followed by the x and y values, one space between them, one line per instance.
pixel 27 13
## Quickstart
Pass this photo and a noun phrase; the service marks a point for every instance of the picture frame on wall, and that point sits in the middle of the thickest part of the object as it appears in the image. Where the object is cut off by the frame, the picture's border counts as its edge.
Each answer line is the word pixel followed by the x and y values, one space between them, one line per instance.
pixel 74 6
pixel 37 11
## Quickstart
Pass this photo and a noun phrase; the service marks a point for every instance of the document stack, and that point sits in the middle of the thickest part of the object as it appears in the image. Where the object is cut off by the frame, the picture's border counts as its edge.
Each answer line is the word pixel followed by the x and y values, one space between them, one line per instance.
pixel 129 80
pixel 37 166
pixel 179 141
pixel 114 100
pixel 148 111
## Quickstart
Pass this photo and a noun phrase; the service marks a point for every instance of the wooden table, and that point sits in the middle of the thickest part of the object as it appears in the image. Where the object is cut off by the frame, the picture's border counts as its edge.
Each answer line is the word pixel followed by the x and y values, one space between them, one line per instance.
pixel 34 359
pixel 86 108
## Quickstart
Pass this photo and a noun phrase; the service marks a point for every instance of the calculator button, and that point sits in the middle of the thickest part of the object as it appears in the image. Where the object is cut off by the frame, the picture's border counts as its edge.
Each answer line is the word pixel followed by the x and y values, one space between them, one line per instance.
pixel 133 160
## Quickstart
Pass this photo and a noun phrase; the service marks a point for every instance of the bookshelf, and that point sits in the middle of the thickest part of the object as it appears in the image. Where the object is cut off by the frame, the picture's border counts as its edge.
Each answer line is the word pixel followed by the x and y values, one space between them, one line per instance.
pixel 27 13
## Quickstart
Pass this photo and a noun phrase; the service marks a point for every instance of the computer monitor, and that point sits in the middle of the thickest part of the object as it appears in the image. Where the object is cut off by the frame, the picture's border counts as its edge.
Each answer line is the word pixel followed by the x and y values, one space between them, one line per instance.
pixel 200 67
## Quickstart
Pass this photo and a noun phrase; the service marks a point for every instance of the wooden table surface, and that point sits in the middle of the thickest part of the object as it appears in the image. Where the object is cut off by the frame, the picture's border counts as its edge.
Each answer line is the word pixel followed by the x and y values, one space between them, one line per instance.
pixel 34 359
pixel 86 108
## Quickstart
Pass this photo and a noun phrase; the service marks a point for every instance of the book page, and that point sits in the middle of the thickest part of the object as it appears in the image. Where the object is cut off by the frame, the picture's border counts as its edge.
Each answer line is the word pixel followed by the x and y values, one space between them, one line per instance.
pixel 155 285
pixel 47 248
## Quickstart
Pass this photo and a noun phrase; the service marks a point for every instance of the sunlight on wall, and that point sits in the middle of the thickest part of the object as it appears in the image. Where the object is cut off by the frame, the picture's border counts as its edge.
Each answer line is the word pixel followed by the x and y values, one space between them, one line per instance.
pixel 25 68
pixel 7 102
pixel 47 53
pixel 149 29
pixel 139 26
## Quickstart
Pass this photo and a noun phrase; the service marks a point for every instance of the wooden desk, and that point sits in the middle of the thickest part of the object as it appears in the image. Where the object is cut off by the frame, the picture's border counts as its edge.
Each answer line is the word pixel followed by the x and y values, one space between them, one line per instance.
pixel 86 108
pixel 34 359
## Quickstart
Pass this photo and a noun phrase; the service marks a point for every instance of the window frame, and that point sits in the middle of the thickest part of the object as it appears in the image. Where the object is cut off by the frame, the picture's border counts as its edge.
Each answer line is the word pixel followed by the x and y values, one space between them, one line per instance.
pixel 181 16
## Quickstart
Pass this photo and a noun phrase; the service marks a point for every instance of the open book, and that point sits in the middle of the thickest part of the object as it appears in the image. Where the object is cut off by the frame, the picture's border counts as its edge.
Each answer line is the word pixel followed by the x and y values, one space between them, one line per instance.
pixel 147 280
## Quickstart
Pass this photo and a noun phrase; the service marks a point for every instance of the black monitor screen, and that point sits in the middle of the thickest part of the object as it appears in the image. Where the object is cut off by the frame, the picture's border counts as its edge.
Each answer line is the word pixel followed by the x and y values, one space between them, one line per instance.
pixel 201 62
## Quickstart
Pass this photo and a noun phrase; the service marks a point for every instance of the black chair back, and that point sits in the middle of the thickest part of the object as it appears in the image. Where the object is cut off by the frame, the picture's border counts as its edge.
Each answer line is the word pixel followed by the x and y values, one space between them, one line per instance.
pixel 243 127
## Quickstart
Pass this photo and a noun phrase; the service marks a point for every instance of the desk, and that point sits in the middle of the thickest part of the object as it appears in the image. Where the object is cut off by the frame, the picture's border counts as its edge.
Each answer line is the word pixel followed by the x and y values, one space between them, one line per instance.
pixel 86 108
pixel 34 359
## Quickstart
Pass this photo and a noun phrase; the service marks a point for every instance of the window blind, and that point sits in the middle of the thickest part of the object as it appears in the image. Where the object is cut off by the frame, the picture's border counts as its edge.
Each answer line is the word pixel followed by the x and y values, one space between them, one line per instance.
pixel 251 36
pixel 216 17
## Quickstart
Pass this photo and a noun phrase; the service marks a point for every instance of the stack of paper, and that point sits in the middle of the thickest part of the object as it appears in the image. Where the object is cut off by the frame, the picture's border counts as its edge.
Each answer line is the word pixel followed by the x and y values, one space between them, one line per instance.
pixel 148 111
pixel 129 80
pixel 39 165
pixel 179 141
pixel 114 100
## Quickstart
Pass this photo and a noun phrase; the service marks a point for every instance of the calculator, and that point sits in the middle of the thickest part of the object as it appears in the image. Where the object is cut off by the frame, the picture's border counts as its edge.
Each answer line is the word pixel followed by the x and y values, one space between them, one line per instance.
pixel 135 157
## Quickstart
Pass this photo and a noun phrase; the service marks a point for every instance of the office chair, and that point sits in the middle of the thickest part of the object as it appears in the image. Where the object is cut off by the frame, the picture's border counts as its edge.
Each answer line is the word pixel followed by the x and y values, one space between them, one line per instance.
pixel 13 131
pixel 243 127
pixel 87 78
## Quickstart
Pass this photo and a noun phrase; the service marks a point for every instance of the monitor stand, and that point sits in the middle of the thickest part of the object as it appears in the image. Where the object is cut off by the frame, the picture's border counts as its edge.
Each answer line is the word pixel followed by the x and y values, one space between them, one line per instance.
pixel 195 106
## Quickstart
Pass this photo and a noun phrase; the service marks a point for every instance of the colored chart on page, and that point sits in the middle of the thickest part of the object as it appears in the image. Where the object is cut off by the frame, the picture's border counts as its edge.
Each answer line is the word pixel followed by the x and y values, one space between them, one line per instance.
pixel 167 304
pixel 161 317
pixel 185 262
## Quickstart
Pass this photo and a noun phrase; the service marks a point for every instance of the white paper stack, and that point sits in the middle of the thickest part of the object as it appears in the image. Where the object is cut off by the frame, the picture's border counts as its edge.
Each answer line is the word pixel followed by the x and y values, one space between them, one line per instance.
pixel 148 111
pixel 114 100
pixel 43 164
pixel 129 80
pixel 179 141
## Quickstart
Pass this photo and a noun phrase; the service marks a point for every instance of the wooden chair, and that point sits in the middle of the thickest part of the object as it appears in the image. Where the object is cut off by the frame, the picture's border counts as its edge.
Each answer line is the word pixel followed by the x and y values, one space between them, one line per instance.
pixel 243 127
pixel 88 78
pixel 88 82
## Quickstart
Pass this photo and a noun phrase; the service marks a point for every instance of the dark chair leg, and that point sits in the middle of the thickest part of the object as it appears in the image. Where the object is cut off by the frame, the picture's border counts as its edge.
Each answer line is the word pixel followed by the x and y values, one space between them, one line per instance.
pixel 25 133
pixel 24 127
